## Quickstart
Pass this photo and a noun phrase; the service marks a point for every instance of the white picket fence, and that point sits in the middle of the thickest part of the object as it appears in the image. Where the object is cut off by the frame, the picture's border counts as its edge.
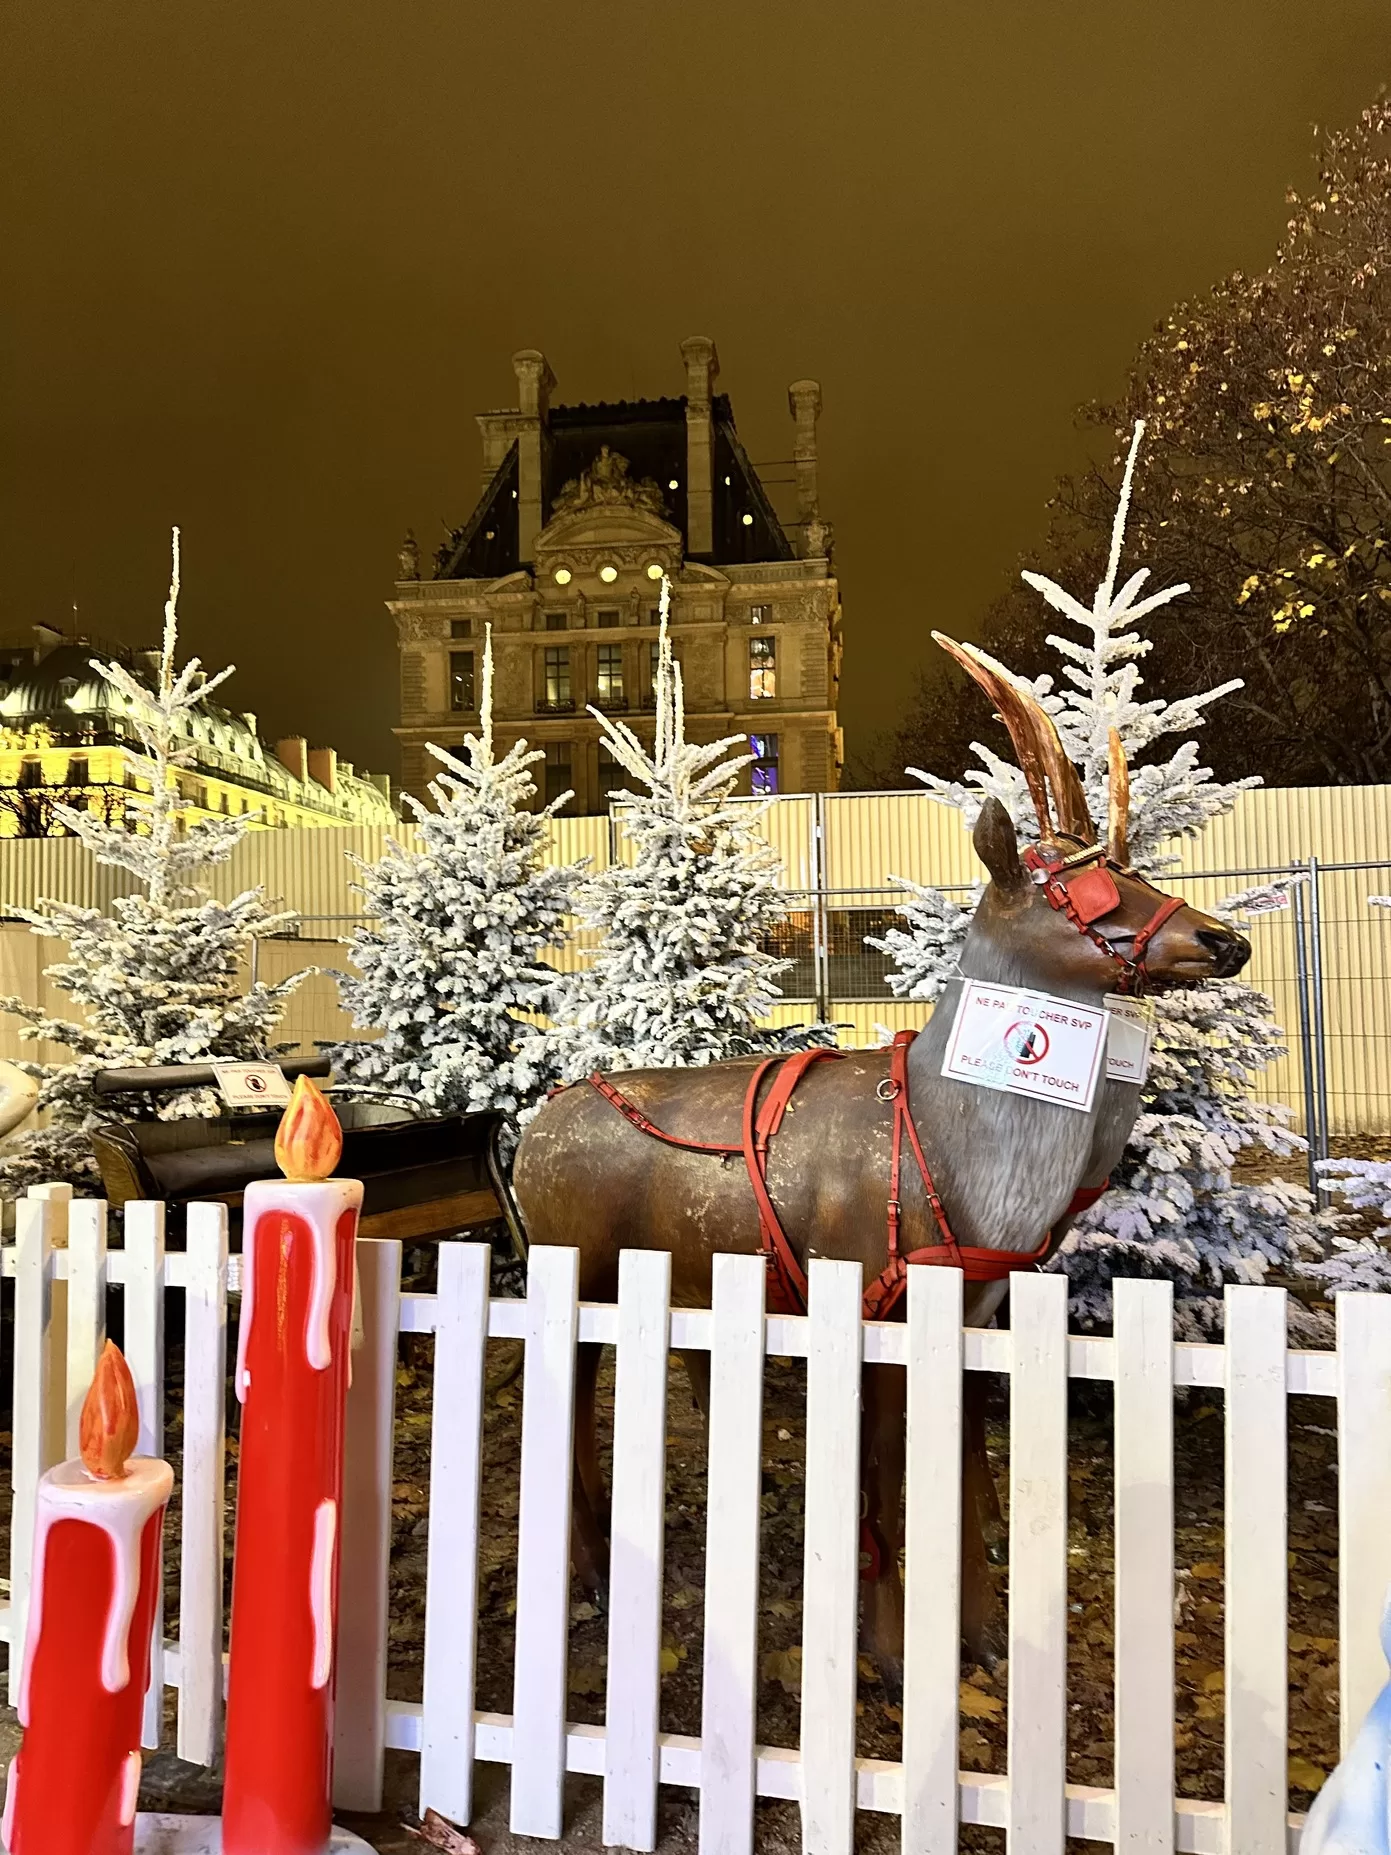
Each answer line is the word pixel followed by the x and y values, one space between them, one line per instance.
pixel 1034 1803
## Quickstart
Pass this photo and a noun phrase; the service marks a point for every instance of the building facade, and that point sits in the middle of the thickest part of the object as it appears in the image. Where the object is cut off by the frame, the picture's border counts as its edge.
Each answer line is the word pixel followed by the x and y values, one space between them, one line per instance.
pixel 65 739
pixel 583 509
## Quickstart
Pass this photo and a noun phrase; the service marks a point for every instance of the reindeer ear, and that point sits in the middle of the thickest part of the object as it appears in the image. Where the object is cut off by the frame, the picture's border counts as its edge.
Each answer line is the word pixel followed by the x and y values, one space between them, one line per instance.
pixel 998 848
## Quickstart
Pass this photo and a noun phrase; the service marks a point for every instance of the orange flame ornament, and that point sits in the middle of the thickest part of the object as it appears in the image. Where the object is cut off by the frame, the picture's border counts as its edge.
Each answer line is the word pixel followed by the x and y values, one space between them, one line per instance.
pixel 309 1141
pixel 109 1427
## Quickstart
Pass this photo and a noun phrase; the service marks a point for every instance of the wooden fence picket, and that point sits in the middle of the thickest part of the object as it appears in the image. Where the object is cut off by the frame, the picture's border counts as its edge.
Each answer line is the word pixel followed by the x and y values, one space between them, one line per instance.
pixel 636 1542
pixel 86 1310
pixel 144 1350
pixel 36 1220
pixel 451 1583
pixel 1037 1725
pixel 59 1195
pixel 543 1544
pixel 203 1490
pixel 729 1689
pixel 359 1740
pixel 932 1563
pixel 1364 1501
pixel 1143 1326
pixel 1257 1575
pixel 831 1562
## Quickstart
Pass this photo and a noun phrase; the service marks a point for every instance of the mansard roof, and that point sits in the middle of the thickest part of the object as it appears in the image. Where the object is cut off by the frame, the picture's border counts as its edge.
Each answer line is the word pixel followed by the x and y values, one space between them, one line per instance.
pixel 651 435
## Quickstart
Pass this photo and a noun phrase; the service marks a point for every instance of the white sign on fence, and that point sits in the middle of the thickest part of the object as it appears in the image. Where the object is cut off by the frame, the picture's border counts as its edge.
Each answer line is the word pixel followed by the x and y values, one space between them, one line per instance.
pixel 1026 1043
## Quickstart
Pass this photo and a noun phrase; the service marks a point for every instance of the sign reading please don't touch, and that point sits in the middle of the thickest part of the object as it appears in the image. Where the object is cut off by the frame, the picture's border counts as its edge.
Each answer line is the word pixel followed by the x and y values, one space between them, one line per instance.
pixel 1026 1043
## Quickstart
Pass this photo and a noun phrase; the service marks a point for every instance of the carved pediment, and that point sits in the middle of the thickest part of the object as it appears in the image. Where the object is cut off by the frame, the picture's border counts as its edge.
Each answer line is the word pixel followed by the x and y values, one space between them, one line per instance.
pixel 605 506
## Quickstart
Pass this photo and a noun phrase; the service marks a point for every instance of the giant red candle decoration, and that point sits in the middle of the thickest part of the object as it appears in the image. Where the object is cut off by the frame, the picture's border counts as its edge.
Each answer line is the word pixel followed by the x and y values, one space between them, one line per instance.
pixel 72 1789
pixel 292 1379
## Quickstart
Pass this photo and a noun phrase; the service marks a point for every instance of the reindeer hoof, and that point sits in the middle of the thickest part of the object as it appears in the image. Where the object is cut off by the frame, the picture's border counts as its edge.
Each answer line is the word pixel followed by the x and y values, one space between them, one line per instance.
pixel 890 1669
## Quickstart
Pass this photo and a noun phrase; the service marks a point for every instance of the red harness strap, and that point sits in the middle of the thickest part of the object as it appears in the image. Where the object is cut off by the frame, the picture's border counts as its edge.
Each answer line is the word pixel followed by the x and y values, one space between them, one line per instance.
pixel 787 1282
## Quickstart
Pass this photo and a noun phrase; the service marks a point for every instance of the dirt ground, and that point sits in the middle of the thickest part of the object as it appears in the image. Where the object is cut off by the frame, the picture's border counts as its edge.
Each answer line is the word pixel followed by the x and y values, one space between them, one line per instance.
pixel 171 1785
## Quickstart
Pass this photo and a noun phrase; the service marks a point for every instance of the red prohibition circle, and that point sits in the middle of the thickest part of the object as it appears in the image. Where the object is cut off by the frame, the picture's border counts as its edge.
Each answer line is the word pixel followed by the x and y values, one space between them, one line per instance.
pixel 1026 1042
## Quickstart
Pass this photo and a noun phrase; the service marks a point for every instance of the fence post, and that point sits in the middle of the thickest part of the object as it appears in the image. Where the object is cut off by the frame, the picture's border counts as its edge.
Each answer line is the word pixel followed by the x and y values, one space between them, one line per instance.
pixel 35 1222
pixel 55 1403
pixel 204 1494
pixel 144 1309
pixel 1306 1036
pixel 359 1741
pixel 820 917
pixel 1316 986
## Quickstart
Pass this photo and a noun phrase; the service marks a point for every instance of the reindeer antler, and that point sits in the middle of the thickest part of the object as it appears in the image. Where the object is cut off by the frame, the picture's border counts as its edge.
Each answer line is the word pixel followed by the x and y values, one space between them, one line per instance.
pixel 1040 752
pixel 1118 773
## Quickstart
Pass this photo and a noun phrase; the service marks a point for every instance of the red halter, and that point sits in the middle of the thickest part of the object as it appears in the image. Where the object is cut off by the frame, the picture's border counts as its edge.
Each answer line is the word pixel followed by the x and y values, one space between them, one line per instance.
pixel 1083 887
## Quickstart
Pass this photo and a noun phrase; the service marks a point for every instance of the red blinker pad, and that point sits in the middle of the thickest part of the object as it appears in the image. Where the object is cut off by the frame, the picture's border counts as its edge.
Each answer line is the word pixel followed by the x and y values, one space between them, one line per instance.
pixel 1093 893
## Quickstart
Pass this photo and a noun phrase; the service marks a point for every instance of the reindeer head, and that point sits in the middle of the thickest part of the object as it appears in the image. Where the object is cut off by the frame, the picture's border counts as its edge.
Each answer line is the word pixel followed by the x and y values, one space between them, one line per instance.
pixel 1072 911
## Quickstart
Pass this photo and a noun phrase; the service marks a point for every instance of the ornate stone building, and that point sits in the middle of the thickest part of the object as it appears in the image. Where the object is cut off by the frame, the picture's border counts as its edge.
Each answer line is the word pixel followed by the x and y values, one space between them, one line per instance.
pixel 66 739
pixel 583 508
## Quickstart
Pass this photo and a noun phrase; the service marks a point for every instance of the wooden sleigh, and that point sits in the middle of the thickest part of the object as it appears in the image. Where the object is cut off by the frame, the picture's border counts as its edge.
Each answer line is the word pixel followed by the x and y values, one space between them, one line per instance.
pixel 423 1178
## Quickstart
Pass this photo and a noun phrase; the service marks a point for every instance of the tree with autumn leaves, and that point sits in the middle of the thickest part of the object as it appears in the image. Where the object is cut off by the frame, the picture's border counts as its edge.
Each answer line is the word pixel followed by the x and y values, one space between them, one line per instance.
pixel 1265 483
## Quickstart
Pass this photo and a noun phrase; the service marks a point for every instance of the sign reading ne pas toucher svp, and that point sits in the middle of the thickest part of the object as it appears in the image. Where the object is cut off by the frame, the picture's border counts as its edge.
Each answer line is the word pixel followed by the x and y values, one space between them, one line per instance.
pixel 1028 1043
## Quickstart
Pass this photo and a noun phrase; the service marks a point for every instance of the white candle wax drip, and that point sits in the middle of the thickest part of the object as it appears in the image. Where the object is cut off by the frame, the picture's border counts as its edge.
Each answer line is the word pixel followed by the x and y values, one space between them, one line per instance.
pixel 121 1509
pixel 319 1205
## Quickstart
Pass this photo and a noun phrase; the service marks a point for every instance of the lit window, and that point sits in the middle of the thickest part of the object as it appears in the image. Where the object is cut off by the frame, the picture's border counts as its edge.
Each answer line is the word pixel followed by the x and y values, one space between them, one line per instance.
pixel 556 621
pixel 608 575
pixel 674 484
pixel 760 614
pixel 764 772
pixel 461 627
pixel 609 691
pixel 558 781
pixel 654 572
pixel 563 576
pixel 763 669
pixel 747 520
pixel 558 677
pixel 461 698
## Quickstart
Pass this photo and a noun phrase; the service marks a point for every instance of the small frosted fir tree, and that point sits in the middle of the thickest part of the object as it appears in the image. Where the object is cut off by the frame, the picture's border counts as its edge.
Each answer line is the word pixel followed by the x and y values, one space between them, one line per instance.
pixel 680 975
pixel 157 978
pixel 451 962
pixel 1174 1208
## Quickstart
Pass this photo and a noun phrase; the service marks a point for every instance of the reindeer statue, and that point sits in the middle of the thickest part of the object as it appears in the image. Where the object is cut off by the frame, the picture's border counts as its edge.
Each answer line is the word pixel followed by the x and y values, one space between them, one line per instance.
pixel 971 1176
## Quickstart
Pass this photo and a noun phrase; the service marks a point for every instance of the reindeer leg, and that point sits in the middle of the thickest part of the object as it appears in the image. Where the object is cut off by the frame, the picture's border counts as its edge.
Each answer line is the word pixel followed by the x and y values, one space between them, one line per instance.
pixel 698 1375
pixel 882 1461
pixel 982 1615
pixel 974 1396
pixel 589 1546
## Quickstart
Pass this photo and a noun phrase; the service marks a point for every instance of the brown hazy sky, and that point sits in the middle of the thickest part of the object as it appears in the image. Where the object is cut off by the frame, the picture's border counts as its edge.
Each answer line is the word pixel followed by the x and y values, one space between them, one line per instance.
pixel 263 260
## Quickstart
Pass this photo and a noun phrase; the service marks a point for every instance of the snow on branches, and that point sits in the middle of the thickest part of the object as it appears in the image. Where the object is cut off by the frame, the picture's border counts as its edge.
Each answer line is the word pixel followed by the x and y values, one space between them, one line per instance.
pixel 157 980
pixel 449 959
pixel 1175 1207
pixel 679 975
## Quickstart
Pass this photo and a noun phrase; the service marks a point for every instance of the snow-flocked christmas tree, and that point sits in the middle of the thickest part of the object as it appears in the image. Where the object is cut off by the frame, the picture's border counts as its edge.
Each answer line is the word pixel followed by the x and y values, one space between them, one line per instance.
pixel 1174 1208
pixel 680 974
pixel 450 957
pixel 157 978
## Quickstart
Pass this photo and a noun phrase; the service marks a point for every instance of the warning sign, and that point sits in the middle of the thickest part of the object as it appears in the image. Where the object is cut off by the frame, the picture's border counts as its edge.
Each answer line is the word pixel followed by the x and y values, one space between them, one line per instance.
pixel 1026 1043
pixel 1129 1035
pixel 252 1085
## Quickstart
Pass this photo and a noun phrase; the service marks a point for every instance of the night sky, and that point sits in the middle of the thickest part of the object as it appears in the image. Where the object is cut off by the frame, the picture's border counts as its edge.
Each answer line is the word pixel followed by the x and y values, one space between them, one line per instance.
pixel 264 261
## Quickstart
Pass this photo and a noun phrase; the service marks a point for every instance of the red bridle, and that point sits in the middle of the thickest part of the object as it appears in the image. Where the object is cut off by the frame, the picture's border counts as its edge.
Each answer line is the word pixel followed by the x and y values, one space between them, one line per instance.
pixel 1083 887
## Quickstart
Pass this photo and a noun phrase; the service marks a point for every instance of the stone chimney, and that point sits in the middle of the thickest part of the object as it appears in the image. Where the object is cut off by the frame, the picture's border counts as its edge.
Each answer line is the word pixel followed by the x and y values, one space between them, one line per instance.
pixel 534 383
pixel 702 369
pixel 323 766
pixel 382 781
pixel 291 754
pixel 804 403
